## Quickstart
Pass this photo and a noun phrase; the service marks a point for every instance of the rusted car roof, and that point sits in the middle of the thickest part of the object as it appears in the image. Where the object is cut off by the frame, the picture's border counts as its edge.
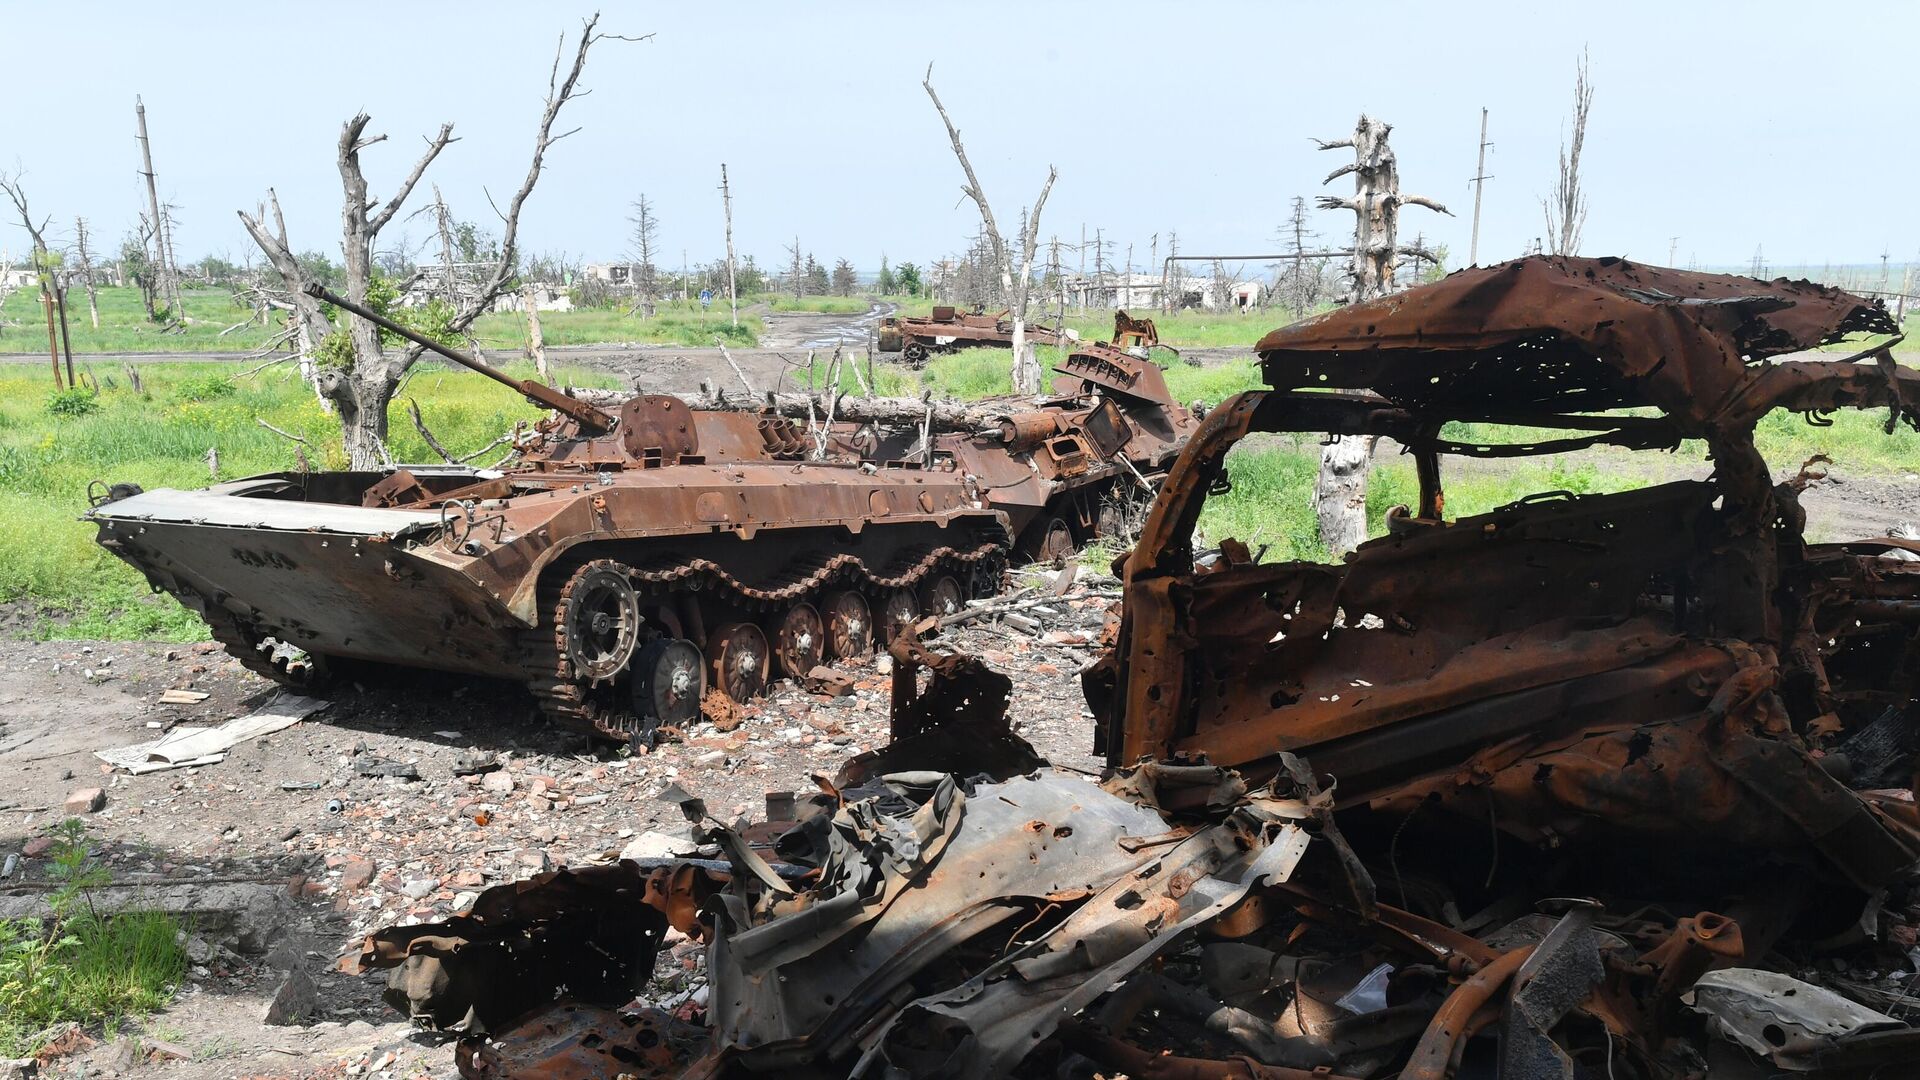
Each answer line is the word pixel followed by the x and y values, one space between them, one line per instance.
pixel 1571 334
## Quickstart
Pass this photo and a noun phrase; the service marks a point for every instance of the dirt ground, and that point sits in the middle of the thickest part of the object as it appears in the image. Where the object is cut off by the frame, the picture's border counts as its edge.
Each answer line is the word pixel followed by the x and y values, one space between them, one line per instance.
pixel 286 853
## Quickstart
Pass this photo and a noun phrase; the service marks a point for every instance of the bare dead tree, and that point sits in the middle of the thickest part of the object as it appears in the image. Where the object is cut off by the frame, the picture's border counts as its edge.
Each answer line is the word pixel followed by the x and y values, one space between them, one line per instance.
pixel 796 272
pixel 726 201
pixel 86 270
pixel 1567 212
pixel 1015 282
pixel 646 237
pixel 44 265
pixel 443 224
pixel 1340 492
pixel 363 386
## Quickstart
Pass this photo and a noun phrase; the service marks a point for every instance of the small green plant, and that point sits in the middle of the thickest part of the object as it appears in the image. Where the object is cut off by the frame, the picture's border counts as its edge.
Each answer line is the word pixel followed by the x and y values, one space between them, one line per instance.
pixel 78 964
pixel 205 388
pixel 73 401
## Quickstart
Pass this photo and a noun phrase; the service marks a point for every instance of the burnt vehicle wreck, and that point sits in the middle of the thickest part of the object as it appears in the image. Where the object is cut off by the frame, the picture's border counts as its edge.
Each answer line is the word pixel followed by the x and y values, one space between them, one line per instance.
pixel 1599 786
pixel 949 330
pixel 639 554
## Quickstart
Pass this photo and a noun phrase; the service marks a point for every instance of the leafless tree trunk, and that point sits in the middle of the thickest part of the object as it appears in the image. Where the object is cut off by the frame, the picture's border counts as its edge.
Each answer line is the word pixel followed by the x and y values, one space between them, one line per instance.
pixel 1015 287
pixel 536 344
pixel 646 234
pixel 1340 491
pixel 443 224
pixel 43 263
pixel 796 275
pixel 362 390
pixel 1567 213
pixel 726 201
pixel 86 270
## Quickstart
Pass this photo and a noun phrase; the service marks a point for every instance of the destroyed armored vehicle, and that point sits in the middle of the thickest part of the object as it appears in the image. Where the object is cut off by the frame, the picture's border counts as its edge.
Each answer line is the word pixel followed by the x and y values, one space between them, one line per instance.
pixel 1611 786
pixel 637 555
pixel 950 330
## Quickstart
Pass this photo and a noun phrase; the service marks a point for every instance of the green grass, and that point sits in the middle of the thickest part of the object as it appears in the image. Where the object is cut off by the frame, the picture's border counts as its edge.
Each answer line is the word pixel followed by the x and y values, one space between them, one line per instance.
pixel 124 326
pixel 832 305
pixel 1271 500
pixel 160 438
pixel 1201 329
pixel 672 323
pixel 982 373
pixel 81 966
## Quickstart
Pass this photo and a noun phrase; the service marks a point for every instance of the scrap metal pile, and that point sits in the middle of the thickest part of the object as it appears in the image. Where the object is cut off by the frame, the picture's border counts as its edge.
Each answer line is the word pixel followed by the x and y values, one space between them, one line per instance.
pixel 1589 786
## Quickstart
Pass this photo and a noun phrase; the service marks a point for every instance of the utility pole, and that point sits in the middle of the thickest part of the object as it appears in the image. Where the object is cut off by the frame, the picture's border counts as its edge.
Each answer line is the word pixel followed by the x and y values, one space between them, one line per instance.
pixel 1480 179
pixel 726 200
pixel 161 246
pixel 1673 249
pixel 1083 268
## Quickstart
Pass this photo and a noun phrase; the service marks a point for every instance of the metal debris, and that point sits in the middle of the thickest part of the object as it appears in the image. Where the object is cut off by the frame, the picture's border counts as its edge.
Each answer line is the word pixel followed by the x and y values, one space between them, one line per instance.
pixel 1590 786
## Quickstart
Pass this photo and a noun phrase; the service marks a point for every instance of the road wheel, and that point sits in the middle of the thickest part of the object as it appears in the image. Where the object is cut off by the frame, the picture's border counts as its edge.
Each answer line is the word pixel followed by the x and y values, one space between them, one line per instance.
pixel 898 615
pixel 800 641
pixel 1052 541
pixel 915 354
pixel 942 596
pixel 849 625
pixel 738 655
pixel 669 678
pixel 602 621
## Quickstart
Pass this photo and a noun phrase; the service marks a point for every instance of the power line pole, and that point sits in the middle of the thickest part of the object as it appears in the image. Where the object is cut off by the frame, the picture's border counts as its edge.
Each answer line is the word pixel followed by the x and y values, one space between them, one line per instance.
pixel 1673 249
pixel 169 283
pixel 726 200
pixel 1480 179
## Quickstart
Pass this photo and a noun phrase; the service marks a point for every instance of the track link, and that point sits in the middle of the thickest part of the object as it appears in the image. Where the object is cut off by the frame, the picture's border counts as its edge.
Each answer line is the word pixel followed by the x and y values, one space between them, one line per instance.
pixel 569 704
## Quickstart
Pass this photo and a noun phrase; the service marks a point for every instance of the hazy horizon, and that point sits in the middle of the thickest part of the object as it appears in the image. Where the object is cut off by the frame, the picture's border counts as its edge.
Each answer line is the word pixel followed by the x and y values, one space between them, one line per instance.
pixel 1157 120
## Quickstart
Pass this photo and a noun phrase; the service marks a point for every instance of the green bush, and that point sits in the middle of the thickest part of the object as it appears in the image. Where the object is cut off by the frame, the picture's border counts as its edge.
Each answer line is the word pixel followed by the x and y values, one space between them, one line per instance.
pixel 73 401
pixel 205 388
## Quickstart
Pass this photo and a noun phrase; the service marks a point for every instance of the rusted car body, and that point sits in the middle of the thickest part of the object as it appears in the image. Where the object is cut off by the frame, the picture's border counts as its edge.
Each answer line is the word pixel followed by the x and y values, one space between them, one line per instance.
pixel 950 330
pixel 1601 786
pixel 1560 630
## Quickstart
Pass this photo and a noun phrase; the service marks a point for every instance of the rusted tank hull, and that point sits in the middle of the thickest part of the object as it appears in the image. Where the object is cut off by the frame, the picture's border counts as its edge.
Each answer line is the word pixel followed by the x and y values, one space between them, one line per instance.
pixel 752 567
pixel 360 596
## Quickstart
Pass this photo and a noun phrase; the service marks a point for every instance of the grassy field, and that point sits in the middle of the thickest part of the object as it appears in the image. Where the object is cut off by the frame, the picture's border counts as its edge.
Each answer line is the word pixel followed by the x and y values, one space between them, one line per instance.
pixel 159 437
pixel 672 323
pixel 124 326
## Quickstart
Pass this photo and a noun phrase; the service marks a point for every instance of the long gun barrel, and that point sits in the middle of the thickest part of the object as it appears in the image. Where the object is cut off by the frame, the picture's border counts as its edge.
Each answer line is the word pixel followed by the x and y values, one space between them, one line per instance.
pixel 585 415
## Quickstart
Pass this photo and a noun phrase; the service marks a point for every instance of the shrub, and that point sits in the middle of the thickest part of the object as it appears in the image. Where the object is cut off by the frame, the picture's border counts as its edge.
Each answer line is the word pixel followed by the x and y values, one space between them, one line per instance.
pixel 73 401
pixel 205 388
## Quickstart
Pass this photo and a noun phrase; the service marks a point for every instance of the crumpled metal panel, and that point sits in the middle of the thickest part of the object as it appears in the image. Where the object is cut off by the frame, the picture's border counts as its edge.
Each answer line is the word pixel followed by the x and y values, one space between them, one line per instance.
pixel 1782 1018
pixel 1052 836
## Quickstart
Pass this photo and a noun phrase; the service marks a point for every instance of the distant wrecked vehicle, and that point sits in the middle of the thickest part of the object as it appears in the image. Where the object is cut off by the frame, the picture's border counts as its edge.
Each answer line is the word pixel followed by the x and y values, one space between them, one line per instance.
pixel 949 330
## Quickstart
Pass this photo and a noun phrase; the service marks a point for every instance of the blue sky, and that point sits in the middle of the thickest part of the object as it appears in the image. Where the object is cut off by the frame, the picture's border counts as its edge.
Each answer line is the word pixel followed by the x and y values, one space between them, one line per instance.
pixel 1728 125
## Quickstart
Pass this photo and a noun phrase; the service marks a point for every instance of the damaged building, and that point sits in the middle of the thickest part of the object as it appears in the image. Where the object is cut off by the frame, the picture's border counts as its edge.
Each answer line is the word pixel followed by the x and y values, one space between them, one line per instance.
pixel 1612 785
